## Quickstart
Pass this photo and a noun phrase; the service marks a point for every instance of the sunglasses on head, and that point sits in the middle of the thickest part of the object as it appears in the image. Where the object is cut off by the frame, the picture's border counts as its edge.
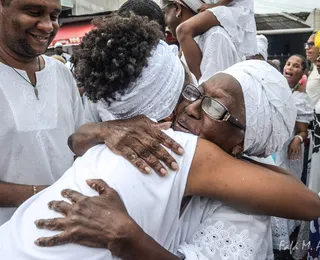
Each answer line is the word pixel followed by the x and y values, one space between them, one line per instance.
pixel 212 107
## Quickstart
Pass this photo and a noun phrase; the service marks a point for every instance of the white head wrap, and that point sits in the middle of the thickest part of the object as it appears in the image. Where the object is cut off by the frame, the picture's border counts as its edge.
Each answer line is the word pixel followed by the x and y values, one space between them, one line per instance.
pixel 58 44
pixel 270 108
pixel 156 92
pixel 262 42
pixel 193 4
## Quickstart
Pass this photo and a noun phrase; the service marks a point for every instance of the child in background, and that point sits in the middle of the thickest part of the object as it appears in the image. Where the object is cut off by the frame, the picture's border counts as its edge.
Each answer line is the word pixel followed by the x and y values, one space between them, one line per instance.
pixel 235 16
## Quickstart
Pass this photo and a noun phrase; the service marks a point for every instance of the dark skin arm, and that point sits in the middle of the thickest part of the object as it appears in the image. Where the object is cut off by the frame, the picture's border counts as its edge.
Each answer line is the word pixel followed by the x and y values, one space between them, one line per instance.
pixel 294 148
pixel 213 174
pixel 138 140
pixel 195 26
pixel 13 195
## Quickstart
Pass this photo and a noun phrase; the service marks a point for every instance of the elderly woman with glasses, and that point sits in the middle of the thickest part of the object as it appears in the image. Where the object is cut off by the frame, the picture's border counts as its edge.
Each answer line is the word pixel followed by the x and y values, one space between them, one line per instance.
pixel 246 109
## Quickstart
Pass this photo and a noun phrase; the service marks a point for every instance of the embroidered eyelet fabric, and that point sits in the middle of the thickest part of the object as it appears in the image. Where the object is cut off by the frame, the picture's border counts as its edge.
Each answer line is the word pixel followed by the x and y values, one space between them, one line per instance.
pixel 34 133
pixel 218 52
pixel 281 231
pixel 229 234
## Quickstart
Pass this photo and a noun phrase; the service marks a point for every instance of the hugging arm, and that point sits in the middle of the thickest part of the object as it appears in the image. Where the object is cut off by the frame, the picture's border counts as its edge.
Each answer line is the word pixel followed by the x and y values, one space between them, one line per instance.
pixel 138 140
pixel 213 174
pixel 249 187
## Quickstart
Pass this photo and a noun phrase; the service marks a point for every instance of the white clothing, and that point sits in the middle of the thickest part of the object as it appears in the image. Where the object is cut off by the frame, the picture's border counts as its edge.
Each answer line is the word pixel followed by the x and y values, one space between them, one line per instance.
pixel 152 201
pixel 283 228
pixel 218 52
pixel 313 90
pixel 238 20
pixel 156 92
pixel 262 42
pixel 34 133
pixel 270 108
pixel 66 56
pixel 228 234
pixel 95 112
pixel 305 115
pixel 313 86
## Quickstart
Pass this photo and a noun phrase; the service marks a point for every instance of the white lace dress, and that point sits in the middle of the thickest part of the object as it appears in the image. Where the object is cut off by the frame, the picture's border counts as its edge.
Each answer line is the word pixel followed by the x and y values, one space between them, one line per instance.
pixel 227 234
pixel 238 20
pixel 283 228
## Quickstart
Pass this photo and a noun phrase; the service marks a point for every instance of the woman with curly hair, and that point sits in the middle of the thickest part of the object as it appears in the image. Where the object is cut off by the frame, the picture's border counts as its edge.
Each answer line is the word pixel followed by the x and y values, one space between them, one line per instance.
pixel 150 82
pixel 106 68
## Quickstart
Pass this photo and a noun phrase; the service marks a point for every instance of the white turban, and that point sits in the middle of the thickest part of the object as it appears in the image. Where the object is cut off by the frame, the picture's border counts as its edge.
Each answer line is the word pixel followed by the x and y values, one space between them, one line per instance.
pixel 262 42
pixel 192 4
pixel 156 92
pixel 270 108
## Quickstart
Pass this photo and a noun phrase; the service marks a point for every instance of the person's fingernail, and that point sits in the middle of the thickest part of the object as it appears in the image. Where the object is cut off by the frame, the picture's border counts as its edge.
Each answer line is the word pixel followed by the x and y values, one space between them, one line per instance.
pixel 38 242
pixel 93 185
pixel 147 169
pixel 163 171
pixel 180 150
pixel 36 222
pixel 175 166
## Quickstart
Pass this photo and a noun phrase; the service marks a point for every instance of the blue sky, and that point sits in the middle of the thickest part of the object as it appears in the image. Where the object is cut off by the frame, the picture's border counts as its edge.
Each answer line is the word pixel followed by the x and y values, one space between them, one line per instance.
pixel 291 6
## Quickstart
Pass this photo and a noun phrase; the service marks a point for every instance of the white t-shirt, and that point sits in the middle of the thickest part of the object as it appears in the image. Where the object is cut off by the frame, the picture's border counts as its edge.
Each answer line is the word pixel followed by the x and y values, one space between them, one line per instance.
pixel 218 52
pixel 34 133
pixel 152 201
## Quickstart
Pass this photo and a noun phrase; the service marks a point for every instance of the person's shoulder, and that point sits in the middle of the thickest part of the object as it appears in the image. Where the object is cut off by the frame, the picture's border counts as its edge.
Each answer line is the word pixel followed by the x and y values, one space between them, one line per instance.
pixel 184 139
pixel 52 63
pixel 216 31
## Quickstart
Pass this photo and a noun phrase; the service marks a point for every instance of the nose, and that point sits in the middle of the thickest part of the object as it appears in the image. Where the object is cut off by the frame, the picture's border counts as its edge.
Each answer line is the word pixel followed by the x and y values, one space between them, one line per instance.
pixel 46 24
pixel 194 109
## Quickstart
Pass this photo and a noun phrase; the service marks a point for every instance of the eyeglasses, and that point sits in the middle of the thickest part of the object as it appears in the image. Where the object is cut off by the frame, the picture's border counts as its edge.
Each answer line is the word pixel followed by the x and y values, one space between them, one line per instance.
pixel 308 45
pixel 212 107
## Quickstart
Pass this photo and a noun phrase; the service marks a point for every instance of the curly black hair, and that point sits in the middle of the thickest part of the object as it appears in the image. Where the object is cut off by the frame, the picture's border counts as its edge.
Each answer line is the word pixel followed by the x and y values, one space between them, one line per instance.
pixel 113 55
pixel 147 8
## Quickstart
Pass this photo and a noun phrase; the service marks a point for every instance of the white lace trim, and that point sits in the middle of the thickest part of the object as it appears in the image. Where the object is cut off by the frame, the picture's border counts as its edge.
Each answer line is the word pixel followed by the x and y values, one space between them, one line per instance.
pixel 214 238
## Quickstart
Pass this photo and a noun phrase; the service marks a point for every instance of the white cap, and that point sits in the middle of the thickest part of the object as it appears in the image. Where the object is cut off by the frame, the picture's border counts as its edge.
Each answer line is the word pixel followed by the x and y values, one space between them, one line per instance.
pixel 262 42
pixel 58 44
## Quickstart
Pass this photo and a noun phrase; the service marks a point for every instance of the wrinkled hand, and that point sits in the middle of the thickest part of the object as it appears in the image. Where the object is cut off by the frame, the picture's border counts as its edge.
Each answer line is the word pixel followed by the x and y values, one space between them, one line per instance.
pixel 294 149
pixel 139 140
pixel 100 221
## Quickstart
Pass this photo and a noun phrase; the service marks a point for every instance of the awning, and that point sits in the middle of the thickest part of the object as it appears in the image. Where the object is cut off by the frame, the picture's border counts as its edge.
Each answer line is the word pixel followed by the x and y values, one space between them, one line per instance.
pixel 71 34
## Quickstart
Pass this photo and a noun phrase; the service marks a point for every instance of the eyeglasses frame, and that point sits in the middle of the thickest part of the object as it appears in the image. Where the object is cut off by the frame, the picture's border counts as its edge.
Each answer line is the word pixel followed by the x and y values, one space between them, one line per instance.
pixel 226 117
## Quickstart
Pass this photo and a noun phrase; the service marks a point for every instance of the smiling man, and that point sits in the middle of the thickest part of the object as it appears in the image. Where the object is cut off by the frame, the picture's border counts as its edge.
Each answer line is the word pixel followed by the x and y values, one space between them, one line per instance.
pixel 39 103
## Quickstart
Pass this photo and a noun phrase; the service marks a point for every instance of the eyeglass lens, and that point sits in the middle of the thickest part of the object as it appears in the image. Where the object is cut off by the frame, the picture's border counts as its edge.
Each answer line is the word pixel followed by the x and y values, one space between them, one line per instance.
pixel 213 108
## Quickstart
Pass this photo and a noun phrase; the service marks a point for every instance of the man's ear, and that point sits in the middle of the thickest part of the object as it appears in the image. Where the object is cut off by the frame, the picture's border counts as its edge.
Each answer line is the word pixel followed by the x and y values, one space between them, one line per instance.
pixel 178 8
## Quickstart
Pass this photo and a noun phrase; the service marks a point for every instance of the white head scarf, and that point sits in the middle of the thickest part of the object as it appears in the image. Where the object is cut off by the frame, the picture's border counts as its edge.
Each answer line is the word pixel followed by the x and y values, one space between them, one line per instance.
pixel 192 4
pixel 270 108
pixel 262 42
pixel 156 92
